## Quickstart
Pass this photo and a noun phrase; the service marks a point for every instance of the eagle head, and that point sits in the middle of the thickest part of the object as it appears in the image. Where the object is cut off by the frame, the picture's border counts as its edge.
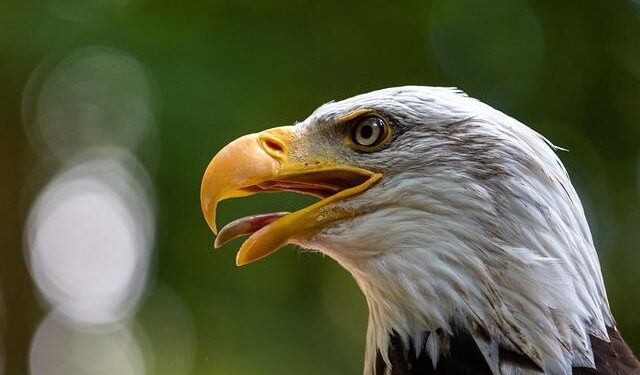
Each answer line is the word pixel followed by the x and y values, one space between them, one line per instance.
pixel 459 224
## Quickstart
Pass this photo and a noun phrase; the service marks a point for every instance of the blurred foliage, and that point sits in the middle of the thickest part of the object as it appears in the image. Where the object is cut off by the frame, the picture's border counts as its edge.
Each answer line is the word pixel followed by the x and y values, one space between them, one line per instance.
pixel 570 70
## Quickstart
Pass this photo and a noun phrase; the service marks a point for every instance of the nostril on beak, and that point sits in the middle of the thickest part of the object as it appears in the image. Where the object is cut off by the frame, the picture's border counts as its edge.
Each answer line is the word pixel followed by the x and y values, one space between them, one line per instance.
pixel 276 141
pixel 273 146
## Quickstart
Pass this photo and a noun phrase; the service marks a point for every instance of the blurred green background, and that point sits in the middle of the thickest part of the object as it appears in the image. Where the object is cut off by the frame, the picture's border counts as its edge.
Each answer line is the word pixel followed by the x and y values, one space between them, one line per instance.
pixel 206 72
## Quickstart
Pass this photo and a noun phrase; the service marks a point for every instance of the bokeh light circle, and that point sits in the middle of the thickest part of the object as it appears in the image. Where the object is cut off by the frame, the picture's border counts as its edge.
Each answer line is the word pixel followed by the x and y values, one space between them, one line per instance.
pixel 60 348
pixel 89 238
pixel 97 96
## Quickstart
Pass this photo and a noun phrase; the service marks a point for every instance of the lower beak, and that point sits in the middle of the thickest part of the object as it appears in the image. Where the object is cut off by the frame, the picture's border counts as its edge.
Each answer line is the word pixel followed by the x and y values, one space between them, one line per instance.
pixel 260 162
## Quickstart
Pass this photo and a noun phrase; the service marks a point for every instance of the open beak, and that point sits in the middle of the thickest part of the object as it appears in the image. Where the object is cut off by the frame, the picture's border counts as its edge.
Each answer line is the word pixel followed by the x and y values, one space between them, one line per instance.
pixel 258 163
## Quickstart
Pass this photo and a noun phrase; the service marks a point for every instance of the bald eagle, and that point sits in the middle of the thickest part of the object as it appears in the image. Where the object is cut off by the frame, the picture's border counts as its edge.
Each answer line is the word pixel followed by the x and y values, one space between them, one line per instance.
pixel 458 223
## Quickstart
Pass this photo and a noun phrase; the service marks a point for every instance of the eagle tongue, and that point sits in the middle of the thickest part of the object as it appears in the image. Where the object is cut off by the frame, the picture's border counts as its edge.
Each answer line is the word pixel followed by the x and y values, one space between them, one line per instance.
pixel 245 225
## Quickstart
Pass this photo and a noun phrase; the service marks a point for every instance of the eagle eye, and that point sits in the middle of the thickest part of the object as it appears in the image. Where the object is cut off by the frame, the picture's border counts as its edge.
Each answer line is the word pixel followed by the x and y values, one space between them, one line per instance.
pixel 369 132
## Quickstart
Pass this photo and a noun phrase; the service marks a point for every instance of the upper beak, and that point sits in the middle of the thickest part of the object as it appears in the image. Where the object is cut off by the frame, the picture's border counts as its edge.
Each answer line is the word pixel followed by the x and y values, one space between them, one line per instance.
pixel 261 162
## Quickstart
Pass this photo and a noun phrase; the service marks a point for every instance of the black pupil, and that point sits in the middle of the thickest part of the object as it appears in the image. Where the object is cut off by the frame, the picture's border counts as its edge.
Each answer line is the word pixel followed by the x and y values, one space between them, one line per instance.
pixel 366 131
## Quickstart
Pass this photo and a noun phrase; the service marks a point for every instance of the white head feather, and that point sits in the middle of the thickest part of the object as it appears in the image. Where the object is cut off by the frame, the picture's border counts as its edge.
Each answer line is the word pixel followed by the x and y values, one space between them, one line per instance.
pixel 475 225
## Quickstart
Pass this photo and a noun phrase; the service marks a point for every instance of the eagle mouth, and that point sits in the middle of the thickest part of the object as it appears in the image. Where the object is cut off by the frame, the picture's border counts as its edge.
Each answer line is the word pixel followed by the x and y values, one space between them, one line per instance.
pixel 261 163
pixel 323 184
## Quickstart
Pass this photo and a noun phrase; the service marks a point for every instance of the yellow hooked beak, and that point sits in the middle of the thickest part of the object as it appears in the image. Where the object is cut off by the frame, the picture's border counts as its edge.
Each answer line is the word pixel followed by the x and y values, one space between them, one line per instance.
pixel 257 163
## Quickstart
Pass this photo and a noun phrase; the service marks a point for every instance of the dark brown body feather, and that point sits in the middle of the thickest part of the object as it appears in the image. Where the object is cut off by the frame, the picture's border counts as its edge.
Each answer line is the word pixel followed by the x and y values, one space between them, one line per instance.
pixel 464 358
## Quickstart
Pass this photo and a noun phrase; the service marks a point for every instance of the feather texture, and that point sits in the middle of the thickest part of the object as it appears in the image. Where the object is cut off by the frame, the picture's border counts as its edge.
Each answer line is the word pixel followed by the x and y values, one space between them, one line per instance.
pixel 465 357
pixel 475 238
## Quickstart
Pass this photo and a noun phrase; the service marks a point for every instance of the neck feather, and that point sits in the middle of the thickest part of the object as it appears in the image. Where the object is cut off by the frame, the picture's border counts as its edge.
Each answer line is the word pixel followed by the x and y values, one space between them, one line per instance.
pixel 424 301
pixel 498 247
pixel 537 292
